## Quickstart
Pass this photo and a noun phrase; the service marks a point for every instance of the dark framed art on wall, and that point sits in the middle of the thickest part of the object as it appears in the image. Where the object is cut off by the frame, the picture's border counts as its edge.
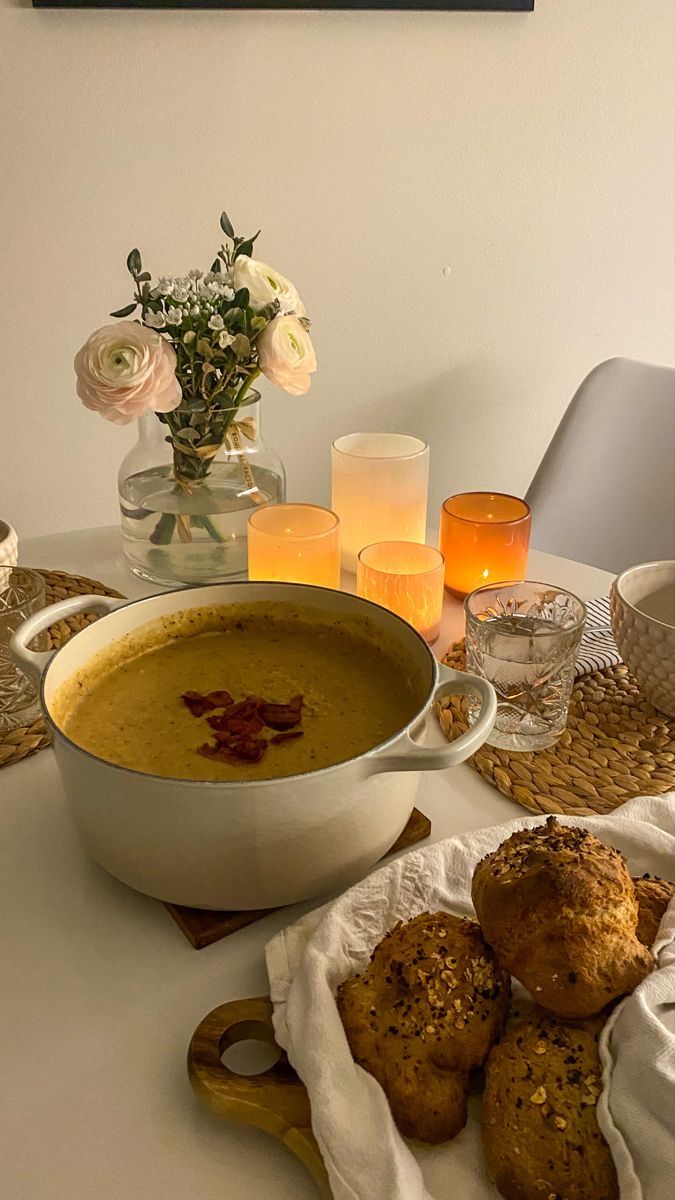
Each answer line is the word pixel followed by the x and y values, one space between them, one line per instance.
pixel 437 5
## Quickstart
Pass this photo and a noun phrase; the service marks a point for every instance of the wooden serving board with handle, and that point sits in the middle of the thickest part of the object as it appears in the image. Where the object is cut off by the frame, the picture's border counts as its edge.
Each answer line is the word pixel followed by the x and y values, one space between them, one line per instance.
pixel 275 1100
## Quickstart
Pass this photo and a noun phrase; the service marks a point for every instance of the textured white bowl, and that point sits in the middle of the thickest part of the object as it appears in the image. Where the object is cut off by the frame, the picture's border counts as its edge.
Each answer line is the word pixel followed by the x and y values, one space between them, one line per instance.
pixel 9 545
pixel 646 645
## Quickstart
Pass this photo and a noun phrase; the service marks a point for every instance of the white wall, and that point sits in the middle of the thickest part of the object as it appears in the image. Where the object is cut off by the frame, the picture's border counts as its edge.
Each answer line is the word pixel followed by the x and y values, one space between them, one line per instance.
pixel 476 209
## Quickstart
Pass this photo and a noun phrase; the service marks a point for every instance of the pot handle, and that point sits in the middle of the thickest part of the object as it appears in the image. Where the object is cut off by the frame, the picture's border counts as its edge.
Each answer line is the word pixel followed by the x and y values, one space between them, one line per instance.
pixel 410 756
pixel 34 663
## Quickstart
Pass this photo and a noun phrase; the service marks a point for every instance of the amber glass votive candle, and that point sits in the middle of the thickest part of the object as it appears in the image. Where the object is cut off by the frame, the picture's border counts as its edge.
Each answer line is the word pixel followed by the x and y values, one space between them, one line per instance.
pixel 406 578
pixel 380 483
pixel 294 543
pixel 484 538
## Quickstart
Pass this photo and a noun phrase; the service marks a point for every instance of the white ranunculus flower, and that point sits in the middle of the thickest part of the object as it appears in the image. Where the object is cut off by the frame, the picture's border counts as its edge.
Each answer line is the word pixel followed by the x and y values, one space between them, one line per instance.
pixel 156 320
pixel 216 322
pixel 286 354
pixel 266 285
pixel 174 316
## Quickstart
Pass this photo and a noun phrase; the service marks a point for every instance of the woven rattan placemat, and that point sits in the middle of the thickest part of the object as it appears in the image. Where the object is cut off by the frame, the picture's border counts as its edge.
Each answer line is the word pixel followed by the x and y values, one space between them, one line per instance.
pixel 615 746
pixel 27 739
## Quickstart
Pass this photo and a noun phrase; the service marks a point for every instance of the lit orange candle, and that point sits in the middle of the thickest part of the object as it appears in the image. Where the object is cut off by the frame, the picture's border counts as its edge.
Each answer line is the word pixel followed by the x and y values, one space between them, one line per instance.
pixel 294 543
pixel 406 578
pixel 484 538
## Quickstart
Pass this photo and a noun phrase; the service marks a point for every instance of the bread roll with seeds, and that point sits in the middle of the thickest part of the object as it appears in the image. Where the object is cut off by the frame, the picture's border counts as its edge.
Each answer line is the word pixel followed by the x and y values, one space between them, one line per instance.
pixel 540 1131
pixel 558 908
pixel 653 897
pixel 426 1011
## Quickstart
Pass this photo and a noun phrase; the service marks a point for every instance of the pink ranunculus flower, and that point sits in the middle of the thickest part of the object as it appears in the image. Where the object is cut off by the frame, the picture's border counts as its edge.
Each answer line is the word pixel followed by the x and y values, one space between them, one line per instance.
pixel 124 369
pixel 286 355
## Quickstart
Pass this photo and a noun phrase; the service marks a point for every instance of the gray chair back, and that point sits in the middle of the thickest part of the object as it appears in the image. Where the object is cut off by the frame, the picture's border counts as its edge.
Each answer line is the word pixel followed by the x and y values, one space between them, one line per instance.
pixel 604 493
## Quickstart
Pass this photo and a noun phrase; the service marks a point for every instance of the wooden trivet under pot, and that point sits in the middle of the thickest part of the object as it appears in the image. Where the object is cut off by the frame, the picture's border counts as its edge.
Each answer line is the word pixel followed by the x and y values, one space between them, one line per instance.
pixel 16 744
pixel 615 746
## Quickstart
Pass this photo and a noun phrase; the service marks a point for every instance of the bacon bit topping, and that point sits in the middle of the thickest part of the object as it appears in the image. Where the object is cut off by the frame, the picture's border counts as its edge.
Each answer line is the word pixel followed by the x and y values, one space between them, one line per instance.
pixel 200 704
pixel 236 730
pixel 281 716
pixel 220 699
pixel 197 704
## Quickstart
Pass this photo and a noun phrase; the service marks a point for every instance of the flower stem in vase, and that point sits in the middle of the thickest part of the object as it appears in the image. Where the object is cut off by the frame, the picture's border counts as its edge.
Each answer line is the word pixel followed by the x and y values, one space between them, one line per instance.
pixel 162 534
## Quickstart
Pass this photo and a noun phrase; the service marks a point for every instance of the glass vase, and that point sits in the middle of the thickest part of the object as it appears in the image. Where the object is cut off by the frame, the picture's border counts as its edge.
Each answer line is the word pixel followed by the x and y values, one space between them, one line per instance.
pixel 176 531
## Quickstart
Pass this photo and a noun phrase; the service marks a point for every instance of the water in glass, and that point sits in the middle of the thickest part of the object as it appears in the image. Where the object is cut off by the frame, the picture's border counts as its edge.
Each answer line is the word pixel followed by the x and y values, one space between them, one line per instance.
pixel 526 645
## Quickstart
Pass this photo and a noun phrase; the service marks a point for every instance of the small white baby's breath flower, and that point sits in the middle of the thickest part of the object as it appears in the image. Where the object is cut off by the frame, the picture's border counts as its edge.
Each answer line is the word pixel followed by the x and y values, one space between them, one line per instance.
pixel 228 292
pixel 174 315
pixel 194 274
pixel 195 310
pixel 164 284
pixel 179 292
pixel 225 339
pixel 154 319
pixel 216 322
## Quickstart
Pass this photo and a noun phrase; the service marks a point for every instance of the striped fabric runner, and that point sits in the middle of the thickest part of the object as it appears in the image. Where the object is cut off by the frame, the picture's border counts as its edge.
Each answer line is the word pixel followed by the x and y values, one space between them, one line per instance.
pixel 598 648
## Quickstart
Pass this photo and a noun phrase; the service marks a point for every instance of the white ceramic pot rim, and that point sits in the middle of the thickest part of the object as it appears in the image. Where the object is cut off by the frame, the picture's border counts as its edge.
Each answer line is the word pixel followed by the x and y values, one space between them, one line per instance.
pixel 630 573
pixel 227 784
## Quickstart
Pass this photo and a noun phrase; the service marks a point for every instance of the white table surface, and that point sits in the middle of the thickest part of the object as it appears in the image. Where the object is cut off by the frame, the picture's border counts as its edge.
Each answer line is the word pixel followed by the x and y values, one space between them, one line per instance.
pixel 100 991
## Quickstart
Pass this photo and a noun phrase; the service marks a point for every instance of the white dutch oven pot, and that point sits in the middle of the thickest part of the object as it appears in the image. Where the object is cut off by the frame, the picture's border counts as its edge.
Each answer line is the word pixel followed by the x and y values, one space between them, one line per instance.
pixel 257 844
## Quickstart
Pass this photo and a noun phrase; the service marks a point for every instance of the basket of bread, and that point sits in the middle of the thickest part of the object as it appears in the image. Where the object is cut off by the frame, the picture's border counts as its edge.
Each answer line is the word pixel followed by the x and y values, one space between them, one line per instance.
pixel 484 1017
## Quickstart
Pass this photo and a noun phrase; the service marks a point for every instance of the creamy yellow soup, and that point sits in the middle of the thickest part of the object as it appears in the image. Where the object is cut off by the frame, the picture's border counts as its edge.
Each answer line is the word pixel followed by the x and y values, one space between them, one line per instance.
pixel 126 705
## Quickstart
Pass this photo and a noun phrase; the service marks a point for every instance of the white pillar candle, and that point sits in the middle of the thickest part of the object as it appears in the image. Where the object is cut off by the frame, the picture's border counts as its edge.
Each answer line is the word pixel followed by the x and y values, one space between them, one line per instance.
pixel 380 484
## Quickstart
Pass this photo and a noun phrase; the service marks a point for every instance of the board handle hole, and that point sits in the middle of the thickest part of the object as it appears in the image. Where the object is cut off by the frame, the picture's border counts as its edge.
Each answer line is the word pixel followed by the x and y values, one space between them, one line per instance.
pixel 248 1048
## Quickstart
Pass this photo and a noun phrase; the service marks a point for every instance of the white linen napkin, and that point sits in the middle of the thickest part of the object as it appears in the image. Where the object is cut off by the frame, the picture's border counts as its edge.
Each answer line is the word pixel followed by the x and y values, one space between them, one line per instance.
pixel 597 648
pixel 366 1157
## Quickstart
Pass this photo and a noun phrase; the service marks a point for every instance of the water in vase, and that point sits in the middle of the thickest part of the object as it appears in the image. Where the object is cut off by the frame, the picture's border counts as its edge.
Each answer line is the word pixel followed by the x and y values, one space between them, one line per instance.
pixel 174 538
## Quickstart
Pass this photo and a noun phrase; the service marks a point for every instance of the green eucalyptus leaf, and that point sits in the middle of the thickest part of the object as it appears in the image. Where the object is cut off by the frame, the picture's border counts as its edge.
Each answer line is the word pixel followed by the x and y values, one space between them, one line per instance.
pixel 226 225
pixel 241 298
pixel 215 266
pixel 134 264
pixel 241 346
pixel 188 434
pixel 204 348
pixel 126 311
pixel 246 247
pixel 143 276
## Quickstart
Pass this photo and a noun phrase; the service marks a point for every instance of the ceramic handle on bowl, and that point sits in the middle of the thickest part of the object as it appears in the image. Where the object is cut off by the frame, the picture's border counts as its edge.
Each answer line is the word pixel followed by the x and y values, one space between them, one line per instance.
pixel 32 662
pixel 410 756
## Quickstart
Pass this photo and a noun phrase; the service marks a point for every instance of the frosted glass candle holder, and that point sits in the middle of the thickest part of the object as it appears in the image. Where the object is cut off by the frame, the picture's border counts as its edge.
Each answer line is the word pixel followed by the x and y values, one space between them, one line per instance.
pixel 294 543
pixel 380 484
pixel 406 578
